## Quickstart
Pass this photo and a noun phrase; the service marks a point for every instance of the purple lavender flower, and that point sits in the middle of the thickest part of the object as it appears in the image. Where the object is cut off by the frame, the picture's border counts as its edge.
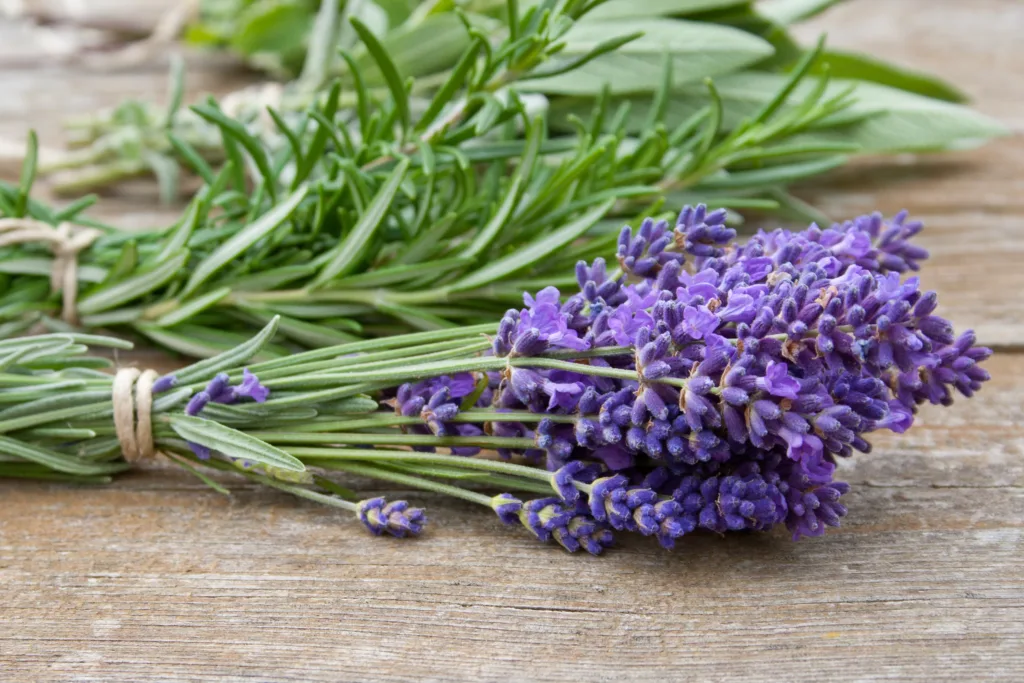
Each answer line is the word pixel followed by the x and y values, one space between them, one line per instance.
pixel 219 390
pixel 507 508
pixel 543 515
pixel 643 253
pixel 813 506
pixel 545 318
pixel 251 387
pixel 570 525
pixel 582 531
pixel 165 383
pixel 196 404
pixel 595 285
pixel 754 367
pixel 395 518
pixel 564 481
pixel 702 234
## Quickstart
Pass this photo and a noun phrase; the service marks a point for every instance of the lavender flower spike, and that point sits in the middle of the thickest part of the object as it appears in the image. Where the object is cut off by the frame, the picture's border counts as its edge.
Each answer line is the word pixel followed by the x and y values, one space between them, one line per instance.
pixel 165 383
pixel 395 518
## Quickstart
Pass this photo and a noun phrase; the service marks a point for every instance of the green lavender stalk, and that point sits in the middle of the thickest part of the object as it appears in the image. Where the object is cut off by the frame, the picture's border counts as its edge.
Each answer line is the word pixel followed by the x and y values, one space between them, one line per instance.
pixel 57 423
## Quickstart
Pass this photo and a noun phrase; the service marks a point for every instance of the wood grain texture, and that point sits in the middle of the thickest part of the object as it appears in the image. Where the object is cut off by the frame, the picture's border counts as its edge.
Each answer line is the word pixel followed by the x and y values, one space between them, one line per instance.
pixel 156 577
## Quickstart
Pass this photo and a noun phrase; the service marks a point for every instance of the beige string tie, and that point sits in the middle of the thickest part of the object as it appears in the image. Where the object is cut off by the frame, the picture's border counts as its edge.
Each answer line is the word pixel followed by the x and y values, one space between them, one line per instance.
pixel 133 412
pixel 66 241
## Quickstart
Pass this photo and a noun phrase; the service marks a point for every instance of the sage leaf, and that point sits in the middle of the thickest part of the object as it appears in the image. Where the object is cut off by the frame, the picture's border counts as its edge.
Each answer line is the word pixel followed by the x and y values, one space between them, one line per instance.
pixel 630 9
pixel 698 50
pixel 233 443
pixel 853 66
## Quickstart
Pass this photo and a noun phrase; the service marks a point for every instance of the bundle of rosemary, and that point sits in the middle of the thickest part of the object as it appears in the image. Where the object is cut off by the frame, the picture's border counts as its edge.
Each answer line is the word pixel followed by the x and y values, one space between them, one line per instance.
pixel 385 206
pixel 714 386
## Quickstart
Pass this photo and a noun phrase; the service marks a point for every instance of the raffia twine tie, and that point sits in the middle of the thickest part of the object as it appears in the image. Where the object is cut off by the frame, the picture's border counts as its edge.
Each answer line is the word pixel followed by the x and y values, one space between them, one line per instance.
pixel 65 241
pixel 133 409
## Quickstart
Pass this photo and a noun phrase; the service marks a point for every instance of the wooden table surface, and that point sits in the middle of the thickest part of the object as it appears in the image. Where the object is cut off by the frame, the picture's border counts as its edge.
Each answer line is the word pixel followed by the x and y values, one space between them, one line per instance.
pixel 157 577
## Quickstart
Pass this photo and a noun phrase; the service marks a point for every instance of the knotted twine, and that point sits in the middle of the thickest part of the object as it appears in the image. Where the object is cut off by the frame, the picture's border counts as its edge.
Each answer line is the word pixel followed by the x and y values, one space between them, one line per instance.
pixel 133 413
pixel 65 241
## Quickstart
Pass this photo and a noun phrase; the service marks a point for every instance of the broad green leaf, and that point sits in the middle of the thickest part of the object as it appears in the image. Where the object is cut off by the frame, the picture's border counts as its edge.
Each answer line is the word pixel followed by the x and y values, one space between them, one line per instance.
pixel 699 50
pixel 349 251
pixel 862 67
pixel 133 287
pixel 881 119
pixel 772 176
pixel 890 120
pixel 631 9
pixel 233 443
pixel 244 239
pixel 786 12
pixel 529 254
pixel 430 47
pixel 278 26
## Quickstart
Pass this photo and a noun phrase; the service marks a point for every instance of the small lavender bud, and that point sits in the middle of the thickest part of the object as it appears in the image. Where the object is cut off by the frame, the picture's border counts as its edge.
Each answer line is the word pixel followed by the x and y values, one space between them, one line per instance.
pixel 395 518
pixel 507 508
pixel 165 383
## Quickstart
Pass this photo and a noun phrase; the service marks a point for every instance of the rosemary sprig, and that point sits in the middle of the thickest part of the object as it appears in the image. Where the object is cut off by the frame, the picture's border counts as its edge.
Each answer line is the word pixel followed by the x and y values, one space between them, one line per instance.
pixel 391 204
pixel 402 213
pixel 431 41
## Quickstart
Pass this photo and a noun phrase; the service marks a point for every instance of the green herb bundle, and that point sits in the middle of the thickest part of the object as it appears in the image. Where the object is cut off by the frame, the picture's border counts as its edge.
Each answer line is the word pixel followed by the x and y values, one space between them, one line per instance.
pixel 387 206
pixel 63 419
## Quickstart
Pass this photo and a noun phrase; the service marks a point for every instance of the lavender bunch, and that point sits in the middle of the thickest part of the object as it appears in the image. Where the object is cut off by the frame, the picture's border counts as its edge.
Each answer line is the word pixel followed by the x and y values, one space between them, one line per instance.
pixel 704 383
pixel 736 375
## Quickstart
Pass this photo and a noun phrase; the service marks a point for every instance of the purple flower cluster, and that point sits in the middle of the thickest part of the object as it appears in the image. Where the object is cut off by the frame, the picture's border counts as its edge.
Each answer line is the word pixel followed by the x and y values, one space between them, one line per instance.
pixel 395 518
pixel 437 400
pixel 570 524
pixel 218 390
pixel 754 367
